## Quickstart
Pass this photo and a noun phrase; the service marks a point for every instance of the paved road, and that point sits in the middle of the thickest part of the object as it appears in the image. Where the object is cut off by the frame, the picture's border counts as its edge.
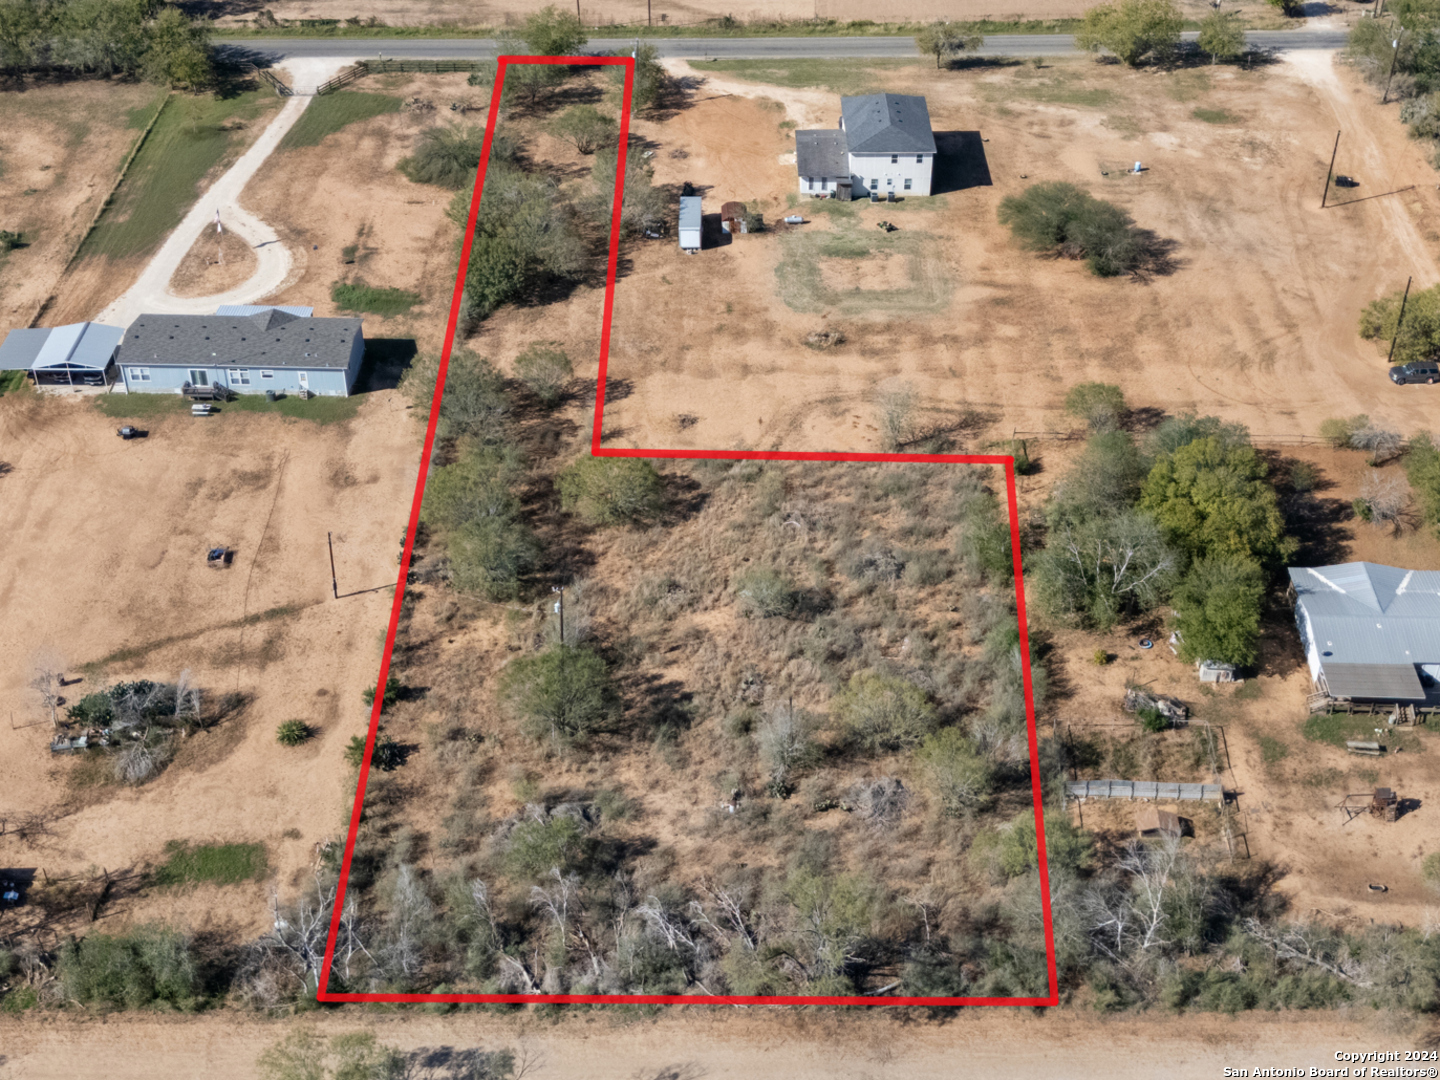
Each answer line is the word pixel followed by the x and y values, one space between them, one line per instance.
pixel 839 48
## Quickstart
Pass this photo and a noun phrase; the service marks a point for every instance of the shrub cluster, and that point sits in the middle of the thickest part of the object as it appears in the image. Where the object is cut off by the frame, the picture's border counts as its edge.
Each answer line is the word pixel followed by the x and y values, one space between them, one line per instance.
pixel 1061 218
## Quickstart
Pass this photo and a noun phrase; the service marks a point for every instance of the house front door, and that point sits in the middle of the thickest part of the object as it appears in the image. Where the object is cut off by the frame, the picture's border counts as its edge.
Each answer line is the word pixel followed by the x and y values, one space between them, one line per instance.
pixel 305 380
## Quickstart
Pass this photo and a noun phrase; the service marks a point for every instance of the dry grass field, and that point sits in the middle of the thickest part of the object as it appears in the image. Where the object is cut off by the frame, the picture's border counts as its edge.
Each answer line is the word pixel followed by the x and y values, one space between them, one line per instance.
pixel 61 147
pixel 1255 322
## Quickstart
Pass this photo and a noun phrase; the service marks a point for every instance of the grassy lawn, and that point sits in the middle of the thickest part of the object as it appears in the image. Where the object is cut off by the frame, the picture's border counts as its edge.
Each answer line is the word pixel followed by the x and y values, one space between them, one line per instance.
pixel 328 114
pixel 372 300
pixel 801 281
pixel 836 76
pixel 1337 729
pixel 1272 751
pixel 141 406
pixel 322 410
pixel 218 864
pixel 12 381
pixel 192 136
pixel 1215 116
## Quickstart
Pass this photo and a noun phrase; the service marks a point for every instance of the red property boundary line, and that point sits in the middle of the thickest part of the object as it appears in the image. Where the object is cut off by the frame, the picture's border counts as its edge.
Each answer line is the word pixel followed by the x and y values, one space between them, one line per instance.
pixel 1006 462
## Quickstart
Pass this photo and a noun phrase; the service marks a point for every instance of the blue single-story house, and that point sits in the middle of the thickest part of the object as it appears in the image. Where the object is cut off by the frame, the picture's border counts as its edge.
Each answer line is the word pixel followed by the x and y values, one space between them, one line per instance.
pixel 246 349
pixel 81 354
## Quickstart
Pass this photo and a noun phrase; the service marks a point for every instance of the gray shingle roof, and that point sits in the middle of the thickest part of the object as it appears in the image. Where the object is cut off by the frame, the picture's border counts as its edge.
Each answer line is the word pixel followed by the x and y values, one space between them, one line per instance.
pixel 887 124
pixel 1367 614
pixel 821 153
pixel 271 338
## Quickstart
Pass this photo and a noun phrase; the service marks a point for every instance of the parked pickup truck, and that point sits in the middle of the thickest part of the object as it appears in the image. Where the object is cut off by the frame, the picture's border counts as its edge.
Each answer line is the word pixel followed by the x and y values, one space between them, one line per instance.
pixel 1426 371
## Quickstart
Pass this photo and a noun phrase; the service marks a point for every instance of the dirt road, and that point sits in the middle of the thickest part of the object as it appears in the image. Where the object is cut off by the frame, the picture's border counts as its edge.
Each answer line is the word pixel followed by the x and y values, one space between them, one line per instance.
pixel 723 1045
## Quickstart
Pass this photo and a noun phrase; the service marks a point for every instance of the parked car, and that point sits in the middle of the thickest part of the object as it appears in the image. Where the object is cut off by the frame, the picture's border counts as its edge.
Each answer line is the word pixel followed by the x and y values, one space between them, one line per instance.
pixel 1427 371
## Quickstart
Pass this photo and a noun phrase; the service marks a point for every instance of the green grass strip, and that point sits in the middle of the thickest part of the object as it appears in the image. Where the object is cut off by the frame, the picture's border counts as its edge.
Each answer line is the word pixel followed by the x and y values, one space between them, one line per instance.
pixel 328 114
pixel 216 864
pixel 370 299
pixel 191 136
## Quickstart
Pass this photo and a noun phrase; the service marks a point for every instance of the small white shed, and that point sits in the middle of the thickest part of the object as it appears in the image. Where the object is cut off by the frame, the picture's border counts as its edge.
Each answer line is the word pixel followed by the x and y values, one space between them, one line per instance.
pixel 690 223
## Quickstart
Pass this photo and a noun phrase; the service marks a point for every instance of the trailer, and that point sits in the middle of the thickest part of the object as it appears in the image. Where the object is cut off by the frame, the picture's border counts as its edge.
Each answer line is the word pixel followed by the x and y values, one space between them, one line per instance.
pixel 690 223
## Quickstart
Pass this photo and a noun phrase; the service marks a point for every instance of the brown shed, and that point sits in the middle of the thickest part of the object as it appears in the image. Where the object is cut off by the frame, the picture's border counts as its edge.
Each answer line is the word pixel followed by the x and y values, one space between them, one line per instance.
pixel 1151 822
pixel 732 217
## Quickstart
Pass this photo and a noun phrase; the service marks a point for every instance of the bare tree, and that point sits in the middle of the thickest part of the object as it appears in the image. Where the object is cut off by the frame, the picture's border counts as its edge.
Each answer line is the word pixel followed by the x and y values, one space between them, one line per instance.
pixel 1382 444
pixel 1386 499
pixel 731 908
pixel 47 669
pixel 289 957
pixel 667 924
pixel 786 739
pixel 1131 918
pixel 411 916
pixel 1308 945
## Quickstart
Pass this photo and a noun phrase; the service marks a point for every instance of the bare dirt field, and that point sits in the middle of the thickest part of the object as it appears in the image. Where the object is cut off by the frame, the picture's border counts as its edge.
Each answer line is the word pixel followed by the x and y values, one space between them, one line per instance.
pixel 1255 322
pixel 215 263
pixel 697 1043
pixel 60 149
pixel 105 543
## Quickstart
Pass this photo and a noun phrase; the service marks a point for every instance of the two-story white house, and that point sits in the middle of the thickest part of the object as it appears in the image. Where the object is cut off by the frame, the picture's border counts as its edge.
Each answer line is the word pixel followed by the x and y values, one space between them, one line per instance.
pixel 884 144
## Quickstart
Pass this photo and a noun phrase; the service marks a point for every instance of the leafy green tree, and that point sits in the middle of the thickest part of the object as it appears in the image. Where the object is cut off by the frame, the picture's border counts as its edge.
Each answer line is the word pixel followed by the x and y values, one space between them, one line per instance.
pixel 585 127
pixel 1210 499
pixel 1132 30
pixel 644 206
pixel 138 967
pixel 1105 481
pixel 1419 335
pixel 833 915
pixel 1422 469
pixel 531 83
pixel 488 556
pixel 1100 570
pixel 945 41
pixel 1101 405
pixel 546 371
pixel 178 53
pixel 650 78
pixel 304 1055
pixel 1217 610
pixel 1182 430
pixel 552 32
pixel 1288 7
pixel 525 234
pixel 611 491
pixel 957 774
pixel 445 156
pixel 1222 37
pixel 1057 216
pixel 1066 848
pixel 538 846
pixel 884 713
pixel 390 697
pixel 563 693
pixel 474 488
pixel 475 402
pixel 293 732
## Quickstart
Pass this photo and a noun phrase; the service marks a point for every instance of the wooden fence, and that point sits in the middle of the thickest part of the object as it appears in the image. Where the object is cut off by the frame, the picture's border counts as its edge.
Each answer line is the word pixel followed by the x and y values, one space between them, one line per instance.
pixel 383 67
pixel 268 76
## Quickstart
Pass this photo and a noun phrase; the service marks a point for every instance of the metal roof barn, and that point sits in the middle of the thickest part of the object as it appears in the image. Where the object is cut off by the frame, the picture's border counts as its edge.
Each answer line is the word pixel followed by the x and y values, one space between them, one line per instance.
pixel 1368 629
pixel 63 355
pixel 690 222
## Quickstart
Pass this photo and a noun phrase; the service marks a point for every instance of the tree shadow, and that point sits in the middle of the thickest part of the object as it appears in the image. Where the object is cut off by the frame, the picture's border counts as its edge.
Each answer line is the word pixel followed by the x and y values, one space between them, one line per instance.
pixel 960 162
pixel 386 361
pixel 1157 256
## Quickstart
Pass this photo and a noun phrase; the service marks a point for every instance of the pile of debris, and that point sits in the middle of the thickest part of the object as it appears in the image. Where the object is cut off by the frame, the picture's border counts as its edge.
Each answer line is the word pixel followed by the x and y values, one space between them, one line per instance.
pixel 417 104
pixel 824 339
pixel 1167 710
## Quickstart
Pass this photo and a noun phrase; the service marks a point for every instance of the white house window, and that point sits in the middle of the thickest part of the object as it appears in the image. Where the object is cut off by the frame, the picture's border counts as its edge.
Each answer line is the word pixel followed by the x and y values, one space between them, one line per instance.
pixel 267 374
pixel 809 183
pixel 889 181
pixel 199 377
pixel 907 183
pixel 894 159
pixel 874 184
pixel 240 376
pixel 139 374
pixel 919 159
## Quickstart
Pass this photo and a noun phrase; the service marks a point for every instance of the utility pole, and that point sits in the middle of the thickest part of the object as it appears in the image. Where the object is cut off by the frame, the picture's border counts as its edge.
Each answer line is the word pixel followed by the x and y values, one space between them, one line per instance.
pixel 1399 322
pixel 649 19
pixel 577 10
pixel 1331 173
pixel 1394 55
pixel 334 587
pixel 560 609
